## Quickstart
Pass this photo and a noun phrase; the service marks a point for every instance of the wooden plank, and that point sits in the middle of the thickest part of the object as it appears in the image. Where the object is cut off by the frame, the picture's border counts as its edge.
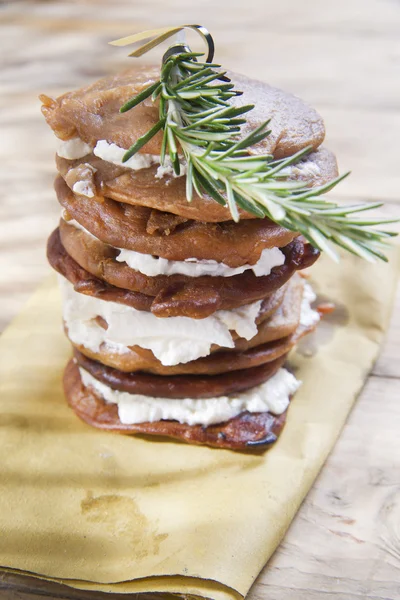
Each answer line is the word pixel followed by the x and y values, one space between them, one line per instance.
pixel 345 541
pixel 388 363
pixel 355 18
pixel 330 69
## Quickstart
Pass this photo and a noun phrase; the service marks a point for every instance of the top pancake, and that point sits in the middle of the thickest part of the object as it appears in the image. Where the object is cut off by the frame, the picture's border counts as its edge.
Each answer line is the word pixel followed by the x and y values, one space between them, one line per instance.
pixel 92 113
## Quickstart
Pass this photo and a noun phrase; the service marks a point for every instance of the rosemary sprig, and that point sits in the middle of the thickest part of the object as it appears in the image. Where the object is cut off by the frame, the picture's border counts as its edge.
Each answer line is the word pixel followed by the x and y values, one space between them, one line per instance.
pixel 199 122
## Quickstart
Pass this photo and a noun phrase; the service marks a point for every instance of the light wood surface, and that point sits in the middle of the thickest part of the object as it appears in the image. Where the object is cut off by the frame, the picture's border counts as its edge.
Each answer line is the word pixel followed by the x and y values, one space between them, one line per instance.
pixel 343 57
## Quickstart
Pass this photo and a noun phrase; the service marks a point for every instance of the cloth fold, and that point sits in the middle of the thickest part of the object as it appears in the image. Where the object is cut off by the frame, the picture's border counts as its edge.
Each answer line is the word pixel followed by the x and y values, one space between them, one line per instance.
pixel 129 514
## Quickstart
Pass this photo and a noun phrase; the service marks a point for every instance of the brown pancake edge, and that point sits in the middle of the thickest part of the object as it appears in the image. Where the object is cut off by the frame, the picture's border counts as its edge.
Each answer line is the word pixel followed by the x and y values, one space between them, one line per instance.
pixel 206 385
pixel 86 283
pixel 92 113
pixel 143 188
pixel 275 337
pixel 130 227
pixel 140 360
pixel 100 260
pixel 247 431
pixel 137 360
pixel 194 299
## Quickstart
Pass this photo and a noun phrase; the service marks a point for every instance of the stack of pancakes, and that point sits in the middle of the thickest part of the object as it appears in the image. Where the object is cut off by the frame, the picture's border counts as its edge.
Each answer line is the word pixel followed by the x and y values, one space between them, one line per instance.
pixel 180 319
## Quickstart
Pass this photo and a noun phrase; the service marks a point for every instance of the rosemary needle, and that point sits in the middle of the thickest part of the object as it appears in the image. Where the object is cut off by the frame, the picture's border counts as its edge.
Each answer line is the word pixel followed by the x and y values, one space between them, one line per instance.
pixel 197 117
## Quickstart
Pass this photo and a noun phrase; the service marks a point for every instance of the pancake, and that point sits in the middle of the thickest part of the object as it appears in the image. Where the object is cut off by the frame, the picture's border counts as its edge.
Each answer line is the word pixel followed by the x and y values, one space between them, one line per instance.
pixel 219 361
pixel 278 328
pixel 245 432
pixel 282 323
pixel 168 193
pixel 224 361
pixel 192 300
pixel 101 261
pixel 85 283
pixel 146 211
pixel 180 386
pixel 92 113
pixel 125 226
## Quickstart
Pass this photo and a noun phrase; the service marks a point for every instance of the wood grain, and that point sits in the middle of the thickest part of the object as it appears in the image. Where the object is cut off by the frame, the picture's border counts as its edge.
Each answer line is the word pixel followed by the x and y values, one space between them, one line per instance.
pixel 344 58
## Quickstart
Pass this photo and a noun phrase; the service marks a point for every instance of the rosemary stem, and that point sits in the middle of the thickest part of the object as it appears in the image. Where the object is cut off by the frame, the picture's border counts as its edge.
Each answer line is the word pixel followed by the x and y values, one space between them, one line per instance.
pixel 201 124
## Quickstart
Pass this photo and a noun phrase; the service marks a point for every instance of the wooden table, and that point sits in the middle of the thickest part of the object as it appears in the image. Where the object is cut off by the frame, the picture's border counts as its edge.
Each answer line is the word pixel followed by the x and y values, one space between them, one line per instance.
pixel 344 58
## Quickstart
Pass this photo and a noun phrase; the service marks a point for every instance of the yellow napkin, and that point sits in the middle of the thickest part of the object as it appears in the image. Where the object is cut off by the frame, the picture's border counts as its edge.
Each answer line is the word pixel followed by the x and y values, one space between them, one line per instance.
pixel 115 513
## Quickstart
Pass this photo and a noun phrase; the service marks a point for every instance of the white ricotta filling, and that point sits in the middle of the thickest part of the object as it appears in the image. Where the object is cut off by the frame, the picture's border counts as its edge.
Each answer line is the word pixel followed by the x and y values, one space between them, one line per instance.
pixel 304 168
pixel 84 188
pixel 76 148
pixel 73 149
pixel 114 154
pixel 167 169
pixel 192 267
pixel 308 316
pixel 172 340
pixel 76 224
pixel 272 396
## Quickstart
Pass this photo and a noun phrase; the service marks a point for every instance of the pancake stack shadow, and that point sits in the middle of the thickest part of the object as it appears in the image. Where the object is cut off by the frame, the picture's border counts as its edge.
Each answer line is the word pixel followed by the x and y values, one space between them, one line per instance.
pixel 180 319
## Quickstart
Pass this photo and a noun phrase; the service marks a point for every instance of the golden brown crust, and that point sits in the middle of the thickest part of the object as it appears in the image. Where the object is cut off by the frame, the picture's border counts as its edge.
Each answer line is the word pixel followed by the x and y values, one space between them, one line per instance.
pixel 317 168
pixel 99 259
pixel 245 432
pixel 125 226
pixel 92 112
pixel 138 211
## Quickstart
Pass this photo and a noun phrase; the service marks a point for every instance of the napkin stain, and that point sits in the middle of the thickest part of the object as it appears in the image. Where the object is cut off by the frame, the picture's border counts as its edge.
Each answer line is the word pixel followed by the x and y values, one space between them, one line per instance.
pixel 121 517
pixel 14 421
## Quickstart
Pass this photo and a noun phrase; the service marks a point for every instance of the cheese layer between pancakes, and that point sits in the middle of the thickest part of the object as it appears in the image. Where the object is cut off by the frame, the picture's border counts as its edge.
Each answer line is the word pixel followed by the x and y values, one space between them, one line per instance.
pixel 192 267
pixel 271 396
pixel 176 340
